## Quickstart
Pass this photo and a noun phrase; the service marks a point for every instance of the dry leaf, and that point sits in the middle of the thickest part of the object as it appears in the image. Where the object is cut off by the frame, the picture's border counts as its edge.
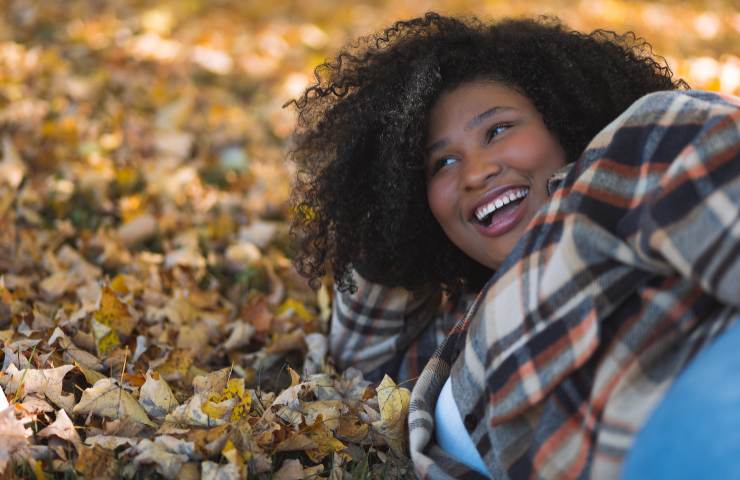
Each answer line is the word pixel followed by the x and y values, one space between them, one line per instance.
pixel 62 428
pixel 15 435
pixel 192 413
pixel 167 453
pixel 109 442
pixel 292 469
pixel 214 471
pixel 394 407
pixel 107 399
pixel 97 462
pixel 46 382
pixel 241 334
pixel 12 168
pixel 156 396
pixel 114 313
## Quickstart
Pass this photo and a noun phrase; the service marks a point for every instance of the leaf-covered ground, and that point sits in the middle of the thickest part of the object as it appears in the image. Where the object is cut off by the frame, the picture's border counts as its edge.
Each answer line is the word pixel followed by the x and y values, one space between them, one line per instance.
pixel 150 321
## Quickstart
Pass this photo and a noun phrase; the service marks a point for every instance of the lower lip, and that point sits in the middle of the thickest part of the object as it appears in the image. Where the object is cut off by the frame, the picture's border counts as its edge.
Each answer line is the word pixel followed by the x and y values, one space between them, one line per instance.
pixel 503 222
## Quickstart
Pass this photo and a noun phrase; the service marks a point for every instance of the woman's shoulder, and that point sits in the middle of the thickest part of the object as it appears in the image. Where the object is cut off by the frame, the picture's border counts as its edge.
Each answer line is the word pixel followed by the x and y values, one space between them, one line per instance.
pixel 674 106
pixel 658 121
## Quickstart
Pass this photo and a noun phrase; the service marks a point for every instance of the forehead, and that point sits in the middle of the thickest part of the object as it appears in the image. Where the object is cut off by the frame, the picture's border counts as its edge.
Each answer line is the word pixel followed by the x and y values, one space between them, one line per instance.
pixel 471 99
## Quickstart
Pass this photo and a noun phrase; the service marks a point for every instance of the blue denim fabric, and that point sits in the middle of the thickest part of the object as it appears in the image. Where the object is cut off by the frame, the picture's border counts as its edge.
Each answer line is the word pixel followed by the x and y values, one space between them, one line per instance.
pixel 695 431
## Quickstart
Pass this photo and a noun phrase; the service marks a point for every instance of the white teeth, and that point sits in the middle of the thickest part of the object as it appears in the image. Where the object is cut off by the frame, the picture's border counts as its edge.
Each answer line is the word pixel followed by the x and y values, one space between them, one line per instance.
pixel 499 202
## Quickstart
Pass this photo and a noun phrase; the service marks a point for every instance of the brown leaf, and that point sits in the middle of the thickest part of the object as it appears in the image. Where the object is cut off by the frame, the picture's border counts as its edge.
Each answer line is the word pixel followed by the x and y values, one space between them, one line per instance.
pixel 107 399
pixel 97 462
pixel 15 435
pixel 292 469
pixel 62 428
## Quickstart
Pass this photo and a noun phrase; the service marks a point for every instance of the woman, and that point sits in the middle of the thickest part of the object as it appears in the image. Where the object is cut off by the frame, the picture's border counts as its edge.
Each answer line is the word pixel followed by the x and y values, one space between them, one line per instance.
pixel 448 158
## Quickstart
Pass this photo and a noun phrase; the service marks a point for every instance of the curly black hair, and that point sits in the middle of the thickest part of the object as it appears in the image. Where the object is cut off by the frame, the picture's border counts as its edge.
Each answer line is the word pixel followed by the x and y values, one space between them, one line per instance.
pixel 359 197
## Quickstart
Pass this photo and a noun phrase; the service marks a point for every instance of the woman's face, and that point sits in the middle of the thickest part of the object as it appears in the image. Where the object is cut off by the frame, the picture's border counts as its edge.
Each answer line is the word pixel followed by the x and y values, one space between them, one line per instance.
pixel 489 156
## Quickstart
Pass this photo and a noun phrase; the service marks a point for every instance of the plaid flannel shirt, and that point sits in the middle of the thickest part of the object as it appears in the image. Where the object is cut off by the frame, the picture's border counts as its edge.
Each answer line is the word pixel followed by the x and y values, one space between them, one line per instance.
pixel 629 270
pixel 393 331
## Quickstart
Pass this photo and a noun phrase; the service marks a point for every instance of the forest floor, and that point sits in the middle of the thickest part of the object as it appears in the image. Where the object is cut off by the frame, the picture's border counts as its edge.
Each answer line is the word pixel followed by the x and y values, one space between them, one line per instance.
pixel 150 318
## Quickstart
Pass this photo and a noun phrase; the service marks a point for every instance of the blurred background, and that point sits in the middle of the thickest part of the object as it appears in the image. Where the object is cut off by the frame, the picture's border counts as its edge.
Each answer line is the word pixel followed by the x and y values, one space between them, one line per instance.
pixel 155 106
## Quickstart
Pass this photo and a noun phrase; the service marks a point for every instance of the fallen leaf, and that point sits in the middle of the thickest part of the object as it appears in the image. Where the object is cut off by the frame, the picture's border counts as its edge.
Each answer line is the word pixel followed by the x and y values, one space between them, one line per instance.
pixel 191 412
pixel 214 471
pixel 109 442
pixel 12 168
pixel 15 435
pixel 212 383
pixel 394 406
pixel 46 382
pixel 63 428
pixel 167 453
pixel 107 399
pixel 97 462
pixel 292 469
pixel 114 313
pixel 241 334
pixel 156 396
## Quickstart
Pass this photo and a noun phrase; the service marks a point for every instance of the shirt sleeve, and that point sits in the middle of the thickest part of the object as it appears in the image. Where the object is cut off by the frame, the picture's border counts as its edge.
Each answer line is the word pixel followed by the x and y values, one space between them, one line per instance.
pixel 690 224
pixel 379 329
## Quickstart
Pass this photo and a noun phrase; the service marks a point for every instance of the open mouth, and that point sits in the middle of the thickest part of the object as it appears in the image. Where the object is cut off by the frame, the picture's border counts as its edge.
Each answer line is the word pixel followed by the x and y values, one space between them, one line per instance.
pixel 502 205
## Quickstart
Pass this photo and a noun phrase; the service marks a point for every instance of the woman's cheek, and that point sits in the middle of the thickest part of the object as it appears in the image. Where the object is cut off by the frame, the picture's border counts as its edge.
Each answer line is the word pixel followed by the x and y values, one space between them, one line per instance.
pixel 440 196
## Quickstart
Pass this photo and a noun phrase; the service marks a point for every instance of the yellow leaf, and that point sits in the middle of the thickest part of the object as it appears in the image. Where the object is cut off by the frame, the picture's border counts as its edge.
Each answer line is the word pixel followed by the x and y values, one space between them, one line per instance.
pixel 296 307
pixel 394 407
pixel 118 284
pixel 176 366
pixel 325 442
pixel 215 410
pixel 114 313
pixel 106 339
pixel 234 389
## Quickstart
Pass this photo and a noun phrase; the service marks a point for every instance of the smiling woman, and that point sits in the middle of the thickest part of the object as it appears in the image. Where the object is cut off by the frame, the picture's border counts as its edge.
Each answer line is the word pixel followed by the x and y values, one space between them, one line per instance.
pixel 533 224
pixel 490 156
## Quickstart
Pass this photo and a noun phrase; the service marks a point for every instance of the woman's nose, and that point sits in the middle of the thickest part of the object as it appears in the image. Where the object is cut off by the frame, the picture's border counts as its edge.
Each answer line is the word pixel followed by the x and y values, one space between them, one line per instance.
pixel 478 170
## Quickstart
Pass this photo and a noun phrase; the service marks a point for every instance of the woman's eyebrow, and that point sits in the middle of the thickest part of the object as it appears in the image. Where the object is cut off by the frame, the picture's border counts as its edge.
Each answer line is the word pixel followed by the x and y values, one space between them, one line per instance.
pixel 474 122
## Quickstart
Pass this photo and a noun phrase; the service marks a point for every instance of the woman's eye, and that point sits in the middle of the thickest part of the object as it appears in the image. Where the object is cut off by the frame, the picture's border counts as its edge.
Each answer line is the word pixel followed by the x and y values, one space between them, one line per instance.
pixel 496 130
pixel 442 163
